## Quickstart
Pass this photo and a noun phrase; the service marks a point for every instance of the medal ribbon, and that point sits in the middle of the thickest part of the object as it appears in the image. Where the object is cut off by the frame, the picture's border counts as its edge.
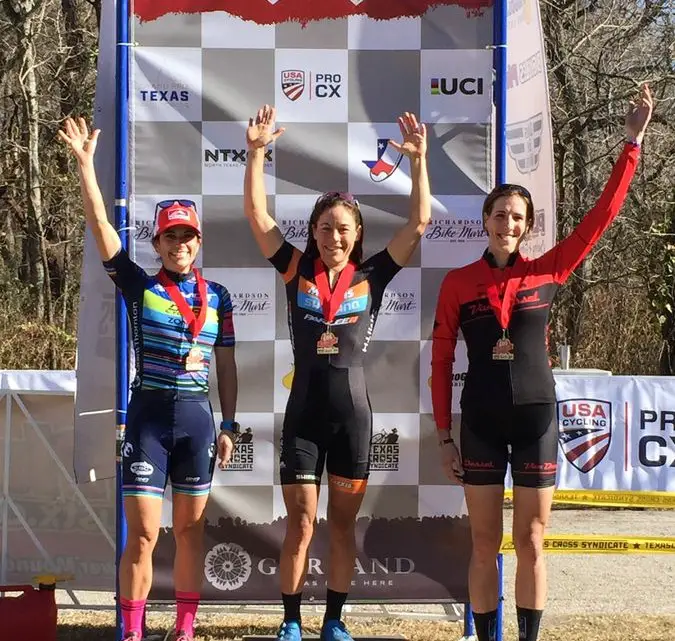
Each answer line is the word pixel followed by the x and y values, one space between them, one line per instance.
pixel 331 300
pixel 194 323
pixel 503 308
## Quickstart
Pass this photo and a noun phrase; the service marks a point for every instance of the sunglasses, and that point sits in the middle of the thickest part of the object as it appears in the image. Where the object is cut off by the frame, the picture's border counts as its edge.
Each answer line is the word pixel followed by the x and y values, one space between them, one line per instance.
pixel 519 189
pixel 338 195
pixel 164 204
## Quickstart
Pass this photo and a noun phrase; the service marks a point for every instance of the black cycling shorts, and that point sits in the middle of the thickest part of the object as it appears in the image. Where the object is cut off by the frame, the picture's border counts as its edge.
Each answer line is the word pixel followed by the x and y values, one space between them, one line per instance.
pixel 328 422
pixel 524 435
pixel 169 435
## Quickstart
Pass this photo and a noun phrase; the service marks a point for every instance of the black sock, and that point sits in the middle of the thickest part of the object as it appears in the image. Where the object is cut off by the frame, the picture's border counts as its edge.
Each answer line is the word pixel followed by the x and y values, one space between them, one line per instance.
pixel 334 602
pixel 292 606
pixel 486 625
pixel 528 623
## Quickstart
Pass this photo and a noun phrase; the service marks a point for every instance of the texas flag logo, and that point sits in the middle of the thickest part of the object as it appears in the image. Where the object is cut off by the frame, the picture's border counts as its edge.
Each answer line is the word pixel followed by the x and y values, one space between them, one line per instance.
pixel 385 165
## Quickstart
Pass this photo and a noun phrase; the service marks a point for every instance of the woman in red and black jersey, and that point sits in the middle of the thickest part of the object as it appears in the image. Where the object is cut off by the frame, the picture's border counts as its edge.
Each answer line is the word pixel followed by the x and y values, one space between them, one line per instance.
pixel 501 304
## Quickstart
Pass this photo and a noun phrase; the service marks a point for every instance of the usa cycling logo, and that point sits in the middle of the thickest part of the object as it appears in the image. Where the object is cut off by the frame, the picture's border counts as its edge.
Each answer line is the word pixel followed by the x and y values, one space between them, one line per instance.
pixel 319 85
pixel 584 431
pixel 293 83
pixel 524 141
pixel 385 165
pixel 227 566
pixel 384 451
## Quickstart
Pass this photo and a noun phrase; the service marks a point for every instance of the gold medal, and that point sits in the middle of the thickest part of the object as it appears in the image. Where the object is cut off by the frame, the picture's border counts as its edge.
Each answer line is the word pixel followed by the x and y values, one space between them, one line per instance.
pixel 503 349
pixel 327 344
pixel 194 361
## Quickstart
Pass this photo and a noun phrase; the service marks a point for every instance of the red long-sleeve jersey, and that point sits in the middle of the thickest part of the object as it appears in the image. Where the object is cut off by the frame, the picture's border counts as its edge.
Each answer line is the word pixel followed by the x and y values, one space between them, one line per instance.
pixel 463 304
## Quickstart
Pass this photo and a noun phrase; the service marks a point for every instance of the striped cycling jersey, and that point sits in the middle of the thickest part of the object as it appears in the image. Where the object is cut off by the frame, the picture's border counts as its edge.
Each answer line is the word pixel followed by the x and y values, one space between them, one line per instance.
pixel 160 335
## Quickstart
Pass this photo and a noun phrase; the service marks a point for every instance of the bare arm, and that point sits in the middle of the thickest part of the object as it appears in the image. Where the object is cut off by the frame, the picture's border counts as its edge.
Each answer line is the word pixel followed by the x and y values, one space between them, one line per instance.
pixel 83 147
pixel 406 239
pixel 226 373
pixel 265 229
pixel 565 256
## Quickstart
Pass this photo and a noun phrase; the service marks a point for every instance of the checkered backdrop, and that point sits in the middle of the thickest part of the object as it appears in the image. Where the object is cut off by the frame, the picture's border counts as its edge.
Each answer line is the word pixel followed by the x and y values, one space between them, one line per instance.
pixel 197 78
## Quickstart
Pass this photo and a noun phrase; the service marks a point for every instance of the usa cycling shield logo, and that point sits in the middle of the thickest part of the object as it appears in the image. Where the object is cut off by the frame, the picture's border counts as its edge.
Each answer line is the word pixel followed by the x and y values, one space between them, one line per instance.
pixel 293 83
pixel 584 431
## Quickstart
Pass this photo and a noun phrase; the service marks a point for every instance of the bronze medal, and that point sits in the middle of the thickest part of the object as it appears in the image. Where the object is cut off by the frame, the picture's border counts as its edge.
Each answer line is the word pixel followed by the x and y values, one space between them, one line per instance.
pixel 194 361
pixel 327 344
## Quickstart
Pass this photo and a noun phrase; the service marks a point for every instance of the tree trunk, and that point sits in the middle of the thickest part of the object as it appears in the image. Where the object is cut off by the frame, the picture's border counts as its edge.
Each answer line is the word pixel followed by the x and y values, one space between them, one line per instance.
pixel 667 360
pixel 573 207
pixel 36 241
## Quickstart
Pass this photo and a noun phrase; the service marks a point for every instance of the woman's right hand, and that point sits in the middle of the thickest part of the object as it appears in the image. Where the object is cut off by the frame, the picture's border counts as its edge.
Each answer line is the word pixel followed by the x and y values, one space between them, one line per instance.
pixel 451 461
pixel 259 132
pixel 76 136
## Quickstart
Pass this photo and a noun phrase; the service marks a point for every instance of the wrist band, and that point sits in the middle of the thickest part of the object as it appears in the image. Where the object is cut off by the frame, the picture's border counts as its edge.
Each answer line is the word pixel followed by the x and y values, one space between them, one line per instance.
pixel 633 141
pixel 448 440
pixel 227 424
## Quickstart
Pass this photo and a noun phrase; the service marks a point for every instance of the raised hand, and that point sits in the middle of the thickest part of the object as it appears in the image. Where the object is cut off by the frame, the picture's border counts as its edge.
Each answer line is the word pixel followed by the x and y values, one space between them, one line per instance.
pixel 76 135
pixel 639 114
pixel 414 134
pixel 259 132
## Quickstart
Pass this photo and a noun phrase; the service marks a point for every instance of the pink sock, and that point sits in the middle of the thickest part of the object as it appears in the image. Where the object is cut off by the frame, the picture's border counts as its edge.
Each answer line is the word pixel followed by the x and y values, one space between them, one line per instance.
pixel 132 615
pixel 186 609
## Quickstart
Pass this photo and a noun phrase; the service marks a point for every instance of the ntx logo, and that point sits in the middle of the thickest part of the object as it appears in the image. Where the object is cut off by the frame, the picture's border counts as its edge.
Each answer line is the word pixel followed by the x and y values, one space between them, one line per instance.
pixel 452 86
pixel 319 85
pixel 230 156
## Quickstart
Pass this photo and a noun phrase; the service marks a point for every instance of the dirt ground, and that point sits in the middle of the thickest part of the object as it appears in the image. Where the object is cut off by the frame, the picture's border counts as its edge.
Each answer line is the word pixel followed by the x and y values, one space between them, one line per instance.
pixel 99 626
pixel 592 597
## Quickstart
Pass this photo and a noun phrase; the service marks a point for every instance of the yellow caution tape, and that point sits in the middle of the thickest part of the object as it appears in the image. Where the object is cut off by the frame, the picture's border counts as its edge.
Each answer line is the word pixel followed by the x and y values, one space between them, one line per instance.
pixel 51 579
pixel 612 498
pixel 611 544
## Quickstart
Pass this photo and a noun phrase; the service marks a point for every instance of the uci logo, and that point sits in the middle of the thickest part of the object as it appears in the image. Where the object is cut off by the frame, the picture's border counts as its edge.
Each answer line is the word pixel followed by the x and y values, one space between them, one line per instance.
pixel 452 86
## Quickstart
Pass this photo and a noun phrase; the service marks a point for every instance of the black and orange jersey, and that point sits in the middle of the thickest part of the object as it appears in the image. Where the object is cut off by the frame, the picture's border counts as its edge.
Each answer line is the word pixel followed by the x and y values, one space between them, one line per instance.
pixel 355 319
pixel 463 304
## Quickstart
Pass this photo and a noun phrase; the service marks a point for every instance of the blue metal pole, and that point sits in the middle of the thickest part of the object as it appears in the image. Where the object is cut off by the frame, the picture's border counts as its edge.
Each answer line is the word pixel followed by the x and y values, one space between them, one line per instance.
pixel 122 361
pixel 499 61
pixel 468 621
pixel 500 22
pixel 499 633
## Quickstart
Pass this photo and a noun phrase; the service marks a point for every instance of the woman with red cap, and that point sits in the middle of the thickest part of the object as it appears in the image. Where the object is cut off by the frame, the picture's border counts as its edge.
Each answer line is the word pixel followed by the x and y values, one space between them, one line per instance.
pixel 178 319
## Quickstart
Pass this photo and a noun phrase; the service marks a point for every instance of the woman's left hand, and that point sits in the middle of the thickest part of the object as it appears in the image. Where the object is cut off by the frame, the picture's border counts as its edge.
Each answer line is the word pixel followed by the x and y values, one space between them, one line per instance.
pixel 225 447
pixel 414 134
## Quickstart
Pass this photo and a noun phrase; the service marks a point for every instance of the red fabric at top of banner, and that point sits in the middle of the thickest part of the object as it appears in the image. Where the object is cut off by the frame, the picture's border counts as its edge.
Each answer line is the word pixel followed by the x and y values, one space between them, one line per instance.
pixel 277 11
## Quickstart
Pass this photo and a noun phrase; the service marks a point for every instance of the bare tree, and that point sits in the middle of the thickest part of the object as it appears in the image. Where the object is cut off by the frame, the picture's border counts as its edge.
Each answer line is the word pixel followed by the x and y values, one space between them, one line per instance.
pixel 616 311
pixel 47 66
